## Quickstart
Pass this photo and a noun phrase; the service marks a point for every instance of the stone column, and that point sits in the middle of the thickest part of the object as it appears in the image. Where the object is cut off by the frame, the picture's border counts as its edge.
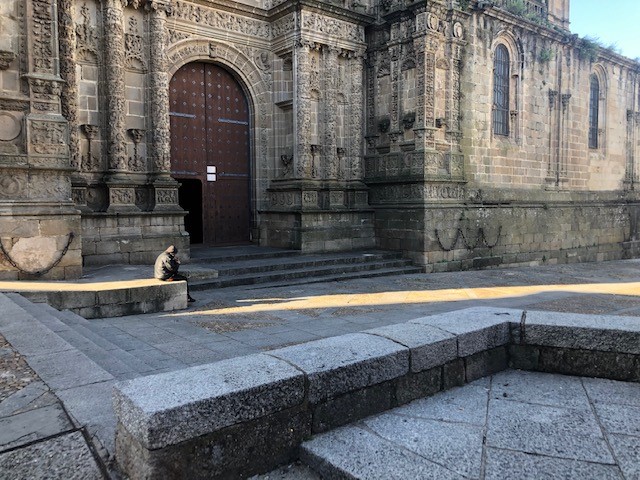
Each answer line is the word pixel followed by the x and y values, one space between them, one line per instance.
pixel 121 189
pixel 165 188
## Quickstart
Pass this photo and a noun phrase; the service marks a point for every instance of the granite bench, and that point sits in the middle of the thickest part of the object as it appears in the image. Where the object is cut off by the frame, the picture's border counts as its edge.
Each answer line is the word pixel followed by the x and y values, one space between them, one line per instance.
pixel 246 415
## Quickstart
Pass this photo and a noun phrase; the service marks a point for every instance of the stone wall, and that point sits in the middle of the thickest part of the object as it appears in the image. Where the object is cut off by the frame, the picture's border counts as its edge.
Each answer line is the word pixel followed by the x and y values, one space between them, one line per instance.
pixel 40 234
pixel 452 194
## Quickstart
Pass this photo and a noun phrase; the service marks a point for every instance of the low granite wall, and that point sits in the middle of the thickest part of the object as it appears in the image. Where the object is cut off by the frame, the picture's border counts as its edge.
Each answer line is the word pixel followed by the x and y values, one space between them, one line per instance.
pixel 246 415
pixel 103 301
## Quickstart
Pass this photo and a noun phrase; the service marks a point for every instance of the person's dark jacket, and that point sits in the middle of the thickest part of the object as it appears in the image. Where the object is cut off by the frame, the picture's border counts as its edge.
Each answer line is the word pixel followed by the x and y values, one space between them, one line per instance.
pixel 166 266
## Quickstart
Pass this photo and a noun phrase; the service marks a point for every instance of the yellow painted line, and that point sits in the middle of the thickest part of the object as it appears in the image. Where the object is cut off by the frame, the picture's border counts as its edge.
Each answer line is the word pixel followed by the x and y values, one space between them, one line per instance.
pixel 415 296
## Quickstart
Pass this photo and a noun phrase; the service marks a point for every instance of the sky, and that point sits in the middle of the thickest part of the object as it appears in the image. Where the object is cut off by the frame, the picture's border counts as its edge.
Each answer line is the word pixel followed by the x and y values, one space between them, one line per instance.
pixel 612 21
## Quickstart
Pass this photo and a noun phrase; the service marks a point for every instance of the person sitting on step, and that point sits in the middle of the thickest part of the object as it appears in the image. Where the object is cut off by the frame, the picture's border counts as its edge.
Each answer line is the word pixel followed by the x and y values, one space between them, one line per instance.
pixel 166 268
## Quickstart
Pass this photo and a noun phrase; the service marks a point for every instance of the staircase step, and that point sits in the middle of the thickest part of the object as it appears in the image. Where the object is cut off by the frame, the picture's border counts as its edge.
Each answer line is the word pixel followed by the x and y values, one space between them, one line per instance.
pixel 311 274
pixel 238 254
pixel 76 331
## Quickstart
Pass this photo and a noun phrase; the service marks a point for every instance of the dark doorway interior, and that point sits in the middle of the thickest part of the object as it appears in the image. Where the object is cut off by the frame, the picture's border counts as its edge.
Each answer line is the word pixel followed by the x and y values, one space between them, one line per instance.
pixel 190 199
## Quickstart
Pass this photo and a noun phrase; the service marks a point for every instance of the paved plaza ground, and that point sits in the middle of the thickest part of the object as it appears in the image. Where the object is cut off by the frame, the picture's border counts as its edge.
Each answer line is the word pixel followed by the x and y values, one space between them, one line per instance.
pixel 236 321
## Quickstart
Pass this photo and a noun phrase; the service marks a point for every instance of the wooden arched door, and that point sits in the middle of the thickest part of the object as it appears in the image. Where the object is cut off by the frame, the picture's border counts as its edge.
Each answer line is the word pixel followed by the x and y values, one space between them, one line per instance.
pixel 210 149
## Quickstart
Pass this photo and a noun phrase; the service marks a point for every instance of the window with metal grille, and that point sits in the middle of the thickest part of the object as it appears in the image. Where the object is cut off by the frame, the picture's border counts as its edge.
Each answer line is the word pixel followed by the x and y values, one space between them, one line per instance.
pixel 594 100
pixel 501 91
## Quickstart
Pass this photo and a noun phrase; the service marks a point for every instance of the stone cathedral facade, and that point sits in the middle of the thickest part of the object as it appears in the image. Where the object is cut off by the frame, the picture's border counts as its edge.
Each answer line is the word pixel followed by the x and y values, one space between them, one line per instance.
pixel 465 134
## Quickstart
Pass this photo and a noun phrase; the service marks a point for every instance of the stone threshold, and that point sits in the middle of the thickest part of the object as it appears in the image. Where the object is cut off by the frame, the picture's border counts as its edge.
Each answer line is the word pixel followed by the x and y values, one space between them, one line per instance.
pixel 247 415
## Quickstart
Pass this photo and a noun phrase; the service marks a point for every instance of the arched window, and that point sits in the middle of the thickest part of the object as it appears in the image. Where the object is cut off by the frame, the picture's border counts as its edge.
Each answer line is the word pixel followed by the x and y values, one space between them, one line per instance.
pixel 501 91
pixel 594 100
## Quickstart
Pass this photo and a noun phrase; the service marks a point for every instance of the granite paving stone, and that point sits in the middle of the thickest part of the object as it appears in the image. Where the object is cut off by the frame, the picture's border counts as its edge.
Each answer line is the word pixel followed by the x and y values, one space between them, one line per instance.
pixel 626 450
pixel 503 464
pixel 354 452
pixel 455 446
pixel 54 369
pixel 22 398
pixel 546 430
pixel 36 424
pixel 461 404
pixel 602 390
pixel 539 388
pixel 619 418
pixel 65 457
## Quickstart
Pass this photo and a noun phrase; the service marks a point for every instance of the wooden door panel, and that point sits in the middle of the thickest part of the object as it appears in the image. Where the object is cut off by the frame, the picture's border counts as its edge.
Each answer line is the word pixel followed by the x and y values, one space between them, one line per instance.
pixel 210 127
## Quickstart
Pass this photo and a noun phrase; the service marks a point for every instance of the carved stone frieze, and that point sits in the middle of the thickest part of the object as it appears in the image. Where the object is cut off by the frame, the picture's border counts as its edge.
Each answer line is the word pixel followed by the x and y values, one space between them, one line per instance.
pixel 175 36
pixel 12 105
pixel 167 196
pixel 48 138
pixel 416 192
pixel 285 199
pixel 79 195
pixel 121 196
pixel 12 185
pixel 219 19
pixel 283 26
pixel 45 88
pixel 332 27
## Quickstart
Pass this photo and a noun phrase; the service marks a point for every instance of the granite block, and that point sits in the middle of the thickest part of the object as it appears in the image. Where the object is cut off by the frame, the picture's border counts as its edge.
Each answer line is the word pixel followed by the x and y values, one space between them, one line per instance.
pixel 349 362
pixel 477 329
pixel 606 333
pixel 168 408
pixel 429 346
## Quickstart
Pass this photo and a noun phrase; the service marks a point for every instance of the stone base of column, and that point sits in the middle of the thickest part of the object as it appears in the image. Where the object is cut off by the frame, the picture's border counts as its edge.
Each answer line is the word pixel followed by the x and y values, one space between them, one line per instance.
pixel 40 241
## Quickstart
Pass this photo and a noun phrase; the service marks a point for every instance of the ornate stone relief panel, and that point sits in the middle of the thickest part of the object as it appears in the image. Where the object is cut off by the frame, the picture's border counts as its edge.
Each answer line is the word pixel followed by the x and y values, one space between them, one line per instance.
pixel 331 27
pixel 221 20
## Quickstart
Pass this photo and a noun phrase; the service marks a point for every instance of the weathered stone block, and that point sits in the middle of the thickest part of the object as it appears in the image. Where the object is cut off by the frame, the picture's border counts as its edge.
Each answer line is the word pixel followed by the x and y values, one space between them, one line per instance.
pixel 342 364
pixel 477 329
pixel 485 363
pixel 153 409
pixel 418 385
pixel 352 406
pixel 429 346
pixel 453 374
pixel 237 451
pixel 612 365
pixel 590 332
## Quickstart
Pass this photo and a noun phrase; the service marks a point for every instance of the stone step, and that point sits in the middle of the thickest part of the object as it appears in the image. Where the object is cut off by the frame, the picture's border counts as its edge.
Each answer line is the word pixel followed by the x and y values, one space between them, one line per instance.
pixel 238 253
pixel 338 271
pixel 78 333
pixel 385 272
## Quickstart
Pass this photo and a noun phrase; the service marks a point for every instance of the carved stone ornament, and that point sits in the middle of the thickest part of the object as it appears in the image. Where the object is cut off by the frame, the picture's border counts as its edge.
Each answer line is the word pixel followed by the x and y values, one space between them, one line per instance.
pixel 458 30
pixel 6 58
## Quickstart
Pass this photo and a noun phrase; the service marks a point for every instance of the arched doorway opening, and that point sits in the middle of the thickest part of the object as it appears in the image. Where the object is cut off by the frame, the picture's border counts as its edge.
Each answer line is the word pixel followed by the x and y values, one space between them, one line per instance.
pixel 210 145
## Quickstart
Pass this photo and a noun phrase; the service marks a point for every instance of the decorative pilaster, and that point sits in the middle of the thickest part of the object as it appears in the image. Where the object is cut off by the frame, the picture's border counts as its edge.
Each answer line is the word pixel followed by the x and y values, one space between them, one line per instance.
pixel 356 129
pixel 69 96
pixel 331 112
pixel 302 130
pixel 114 82
pixel 159 87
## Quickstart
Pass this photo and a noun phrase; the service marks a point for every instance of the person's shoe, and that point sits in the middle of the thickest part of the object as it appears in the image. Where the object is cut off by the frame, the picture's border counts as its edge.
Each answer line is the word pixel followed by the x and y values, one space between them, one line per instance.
pixel 191 299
